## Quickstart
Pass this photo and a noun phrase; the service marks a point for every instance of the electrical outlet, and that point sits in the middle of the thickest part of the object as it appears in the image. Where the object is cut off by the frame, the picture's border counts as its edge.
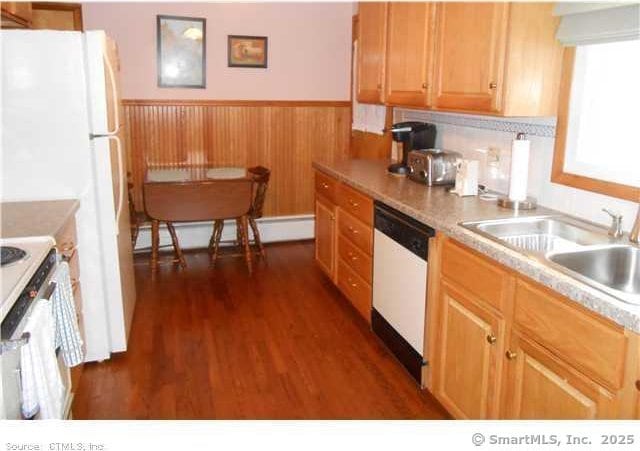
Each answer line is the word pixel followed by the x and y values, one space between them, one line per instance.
pixel 493 156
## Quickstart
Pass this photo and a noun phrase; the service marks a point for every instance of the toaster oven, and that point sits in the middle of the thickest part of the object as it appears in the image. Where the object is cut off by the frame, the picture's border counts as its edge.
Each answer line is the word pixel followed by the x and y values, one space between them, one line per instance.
pixel 433 167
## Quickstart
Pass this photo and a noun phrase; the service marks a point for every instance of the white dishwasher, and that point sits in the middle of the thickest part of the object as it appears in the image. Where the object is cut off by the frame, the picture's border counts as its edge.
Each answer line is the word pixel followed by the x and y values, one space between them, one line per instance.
pixel 400 253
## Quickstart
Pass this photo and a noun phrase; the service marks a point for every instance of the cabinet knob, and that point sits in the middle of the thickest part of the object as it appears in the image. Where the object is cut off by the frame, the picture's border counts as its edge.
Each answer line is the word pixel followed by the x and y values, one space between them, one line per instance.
pixel 379 86
pixel 353 204
pixel 424 85
pixel 491 339
pixel 638 385
pixel 511 355
pixel 351 256
pixel 325 186
pixel 352 230
pixel 352 283
pixel 493 85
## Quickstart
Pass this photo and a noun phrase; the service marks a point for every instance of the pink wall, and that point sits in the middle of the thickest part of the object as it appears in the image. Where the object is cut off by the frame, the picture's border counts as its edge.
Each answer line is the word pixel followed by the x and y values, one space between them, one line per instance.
pixel 309 48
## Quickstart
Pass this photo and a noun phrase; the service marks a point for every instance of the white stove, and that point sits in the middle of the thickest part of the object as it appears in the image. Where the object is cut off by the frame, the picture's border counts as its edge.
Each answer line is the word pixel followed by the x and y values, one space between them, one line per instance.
pixel 15 276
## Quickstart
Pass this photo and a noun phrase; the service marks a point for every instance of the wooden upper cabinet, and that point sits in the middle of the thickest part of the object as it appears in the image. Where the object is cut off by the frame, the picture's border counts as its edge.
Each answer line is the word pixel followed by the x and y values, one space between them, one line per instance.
pixel 371 52
pixel 16 14
pixel 497 58
pixel 56 16
pixel 540 386
pixel 409 54
pixel 470 51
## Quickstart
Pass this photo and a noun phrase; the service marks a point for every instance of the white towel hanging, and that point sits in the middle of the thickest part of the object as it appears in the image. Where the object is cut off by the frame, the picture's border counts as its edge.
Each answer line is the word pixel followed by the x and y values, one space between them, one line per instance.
pixel 42 388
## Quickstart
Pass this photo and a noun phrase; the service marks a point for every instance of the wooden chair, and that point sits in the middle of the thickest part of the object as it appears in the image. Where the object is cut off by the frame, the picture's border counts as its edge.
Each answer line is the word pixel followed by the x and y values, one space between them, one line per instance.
pixel 140 218
pixel 215 200
pixel 260 176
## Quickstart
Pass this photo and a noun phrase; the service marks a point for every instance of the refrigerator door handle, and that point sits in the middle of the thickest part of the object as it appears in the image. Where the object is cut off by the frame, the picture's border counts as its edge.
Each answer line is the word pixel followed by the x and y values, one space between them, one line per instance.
pixel 114 94
pixel 122 180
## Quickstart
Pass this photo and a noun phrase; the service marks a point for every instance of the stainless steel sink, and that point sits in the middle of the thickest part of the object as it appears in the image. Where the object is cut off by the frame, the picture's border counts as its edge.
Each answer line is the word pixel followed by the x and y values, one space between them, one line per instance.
pixel 615 268
pixel 540 234
pixel 576 248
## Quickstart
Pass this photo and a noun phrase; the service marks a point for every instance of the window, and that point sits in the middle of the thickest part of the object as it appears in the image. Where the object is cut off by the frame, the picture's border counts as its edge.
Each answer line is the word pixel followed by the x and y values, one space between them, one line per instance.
pixel 598 135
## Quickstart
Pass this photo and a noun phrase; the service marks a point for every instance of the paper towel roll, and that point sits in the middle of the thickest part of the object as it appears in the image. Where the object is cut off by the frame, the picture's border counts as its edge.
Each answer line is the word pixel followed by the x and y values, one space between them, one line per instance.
pixel 519 168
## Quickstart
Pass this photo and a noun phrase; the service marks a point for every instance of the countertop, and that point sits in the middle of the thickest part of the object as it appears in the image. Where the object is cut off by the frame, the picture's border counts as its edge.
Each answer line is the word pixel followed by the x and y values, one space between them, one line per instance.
pixel 36 218
pixel 444 211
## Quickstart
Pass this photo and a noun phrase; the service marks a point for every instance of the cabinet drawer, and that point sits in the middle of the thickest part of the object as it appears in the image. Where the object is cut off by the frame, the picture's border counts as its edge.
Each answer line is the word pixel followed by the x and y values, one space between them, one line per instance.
pixel 360 262
pixel 355 203
pixel 592 344
pixel 355 289
pixel 479 276
pixel 359 233
pixel 326 186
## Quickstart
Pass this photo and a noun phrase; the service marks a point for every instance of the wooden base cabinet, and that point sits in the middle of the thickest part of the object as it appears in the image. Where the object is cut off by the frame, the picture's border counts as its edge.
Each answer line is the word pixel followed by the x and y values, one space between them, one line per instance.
pixel 542 386
pixel 510 348
pixel 344 237
pixel 326 236
pixel 471 343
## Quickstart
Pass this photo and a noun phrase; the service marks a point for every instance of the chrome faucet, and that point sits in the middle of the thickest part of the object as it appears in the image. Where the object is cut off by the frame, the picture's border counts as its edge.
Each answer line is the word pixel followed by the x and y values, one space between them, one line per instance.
pixel 634 235
pixel 616 223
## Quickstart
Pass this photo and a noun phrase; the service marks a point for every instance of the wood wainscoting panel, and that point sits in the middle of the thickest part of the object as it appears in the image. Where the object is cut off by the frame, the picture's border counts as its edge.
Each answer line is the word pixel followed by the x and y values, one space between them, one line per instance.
pixel 282 136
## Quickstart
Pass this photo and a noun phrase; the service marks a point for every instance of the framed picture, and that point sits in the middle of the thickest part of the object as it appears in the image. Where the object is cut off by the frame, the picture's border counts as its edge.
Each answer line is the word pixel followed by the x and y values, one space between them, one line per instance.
pixel 181 52
pixel 247 51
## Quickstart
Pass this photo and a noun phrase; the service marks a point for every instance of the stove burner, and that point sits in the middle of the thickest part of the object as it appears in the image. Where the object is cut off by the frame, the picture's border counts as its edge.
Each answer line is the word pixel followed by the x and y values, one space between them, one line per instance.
pixel 10 254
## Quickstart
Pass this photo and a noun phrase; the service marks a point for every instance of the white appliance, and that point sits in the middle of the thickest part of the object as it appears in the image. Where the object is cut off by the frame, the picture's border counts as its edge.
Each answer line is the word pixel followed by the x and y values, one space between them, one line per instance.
pixel 466 178
pixel 401 248
pixel 26 270
pixel 61 139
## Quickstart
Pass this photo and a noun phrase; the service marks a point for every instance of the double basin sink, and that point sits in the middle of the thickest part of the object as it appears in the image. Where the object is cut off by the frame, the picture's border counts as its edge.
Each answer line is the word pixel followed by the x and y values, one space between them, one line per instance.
pixel 576 248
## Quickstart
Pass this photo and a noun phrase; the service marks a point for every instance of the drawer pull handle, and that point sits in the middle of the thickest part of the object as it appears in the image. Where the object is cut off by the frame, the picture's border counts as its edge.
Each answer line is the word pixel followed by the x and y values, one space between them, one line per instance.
pixel 353 204
pixel 511 355
pixel 352 230
pixel 491 339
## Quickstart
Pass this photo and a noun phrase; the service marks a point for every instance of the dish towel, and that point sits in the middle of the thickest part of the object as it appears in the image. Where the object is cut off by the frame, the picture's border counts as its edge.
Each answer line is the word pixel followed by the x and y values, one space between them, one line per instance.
pixel 366 118
pixel 42 388
pixel 68 337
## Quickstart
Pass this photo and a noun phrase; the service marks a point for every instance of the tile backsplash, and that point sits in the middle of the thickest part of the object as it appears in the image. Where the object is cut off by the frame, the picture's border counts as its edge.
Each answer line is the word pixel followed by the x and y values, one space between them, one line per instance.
pixel 488 140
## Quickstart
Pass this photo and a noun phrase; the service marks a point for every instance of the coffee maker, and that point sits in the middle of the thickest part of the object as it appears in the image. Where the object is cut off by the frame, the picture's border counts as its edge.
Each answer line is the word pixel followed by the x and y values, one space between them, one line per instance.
pixel 412 135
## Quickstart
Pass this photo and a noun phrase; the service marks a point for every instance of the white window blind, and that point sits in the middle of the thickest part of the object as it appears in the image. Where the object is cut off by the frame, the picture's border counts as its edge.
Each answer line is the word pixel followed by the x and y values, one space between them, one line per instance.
pixel 603 135
pixel 596 23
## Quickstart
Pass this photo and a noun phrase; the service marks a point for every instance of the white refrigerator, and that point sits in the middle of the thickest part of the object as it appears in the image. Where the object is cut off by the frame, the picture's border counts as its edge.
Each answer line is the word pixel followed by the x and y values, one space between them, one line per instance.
pixel 61 139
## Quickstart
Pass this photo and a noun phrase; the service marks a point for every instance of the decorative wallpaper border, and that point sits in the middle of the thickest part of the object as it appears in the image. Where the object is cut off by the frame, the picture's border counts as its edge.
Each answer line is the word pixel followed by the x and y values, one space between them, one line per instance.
pixel 545 127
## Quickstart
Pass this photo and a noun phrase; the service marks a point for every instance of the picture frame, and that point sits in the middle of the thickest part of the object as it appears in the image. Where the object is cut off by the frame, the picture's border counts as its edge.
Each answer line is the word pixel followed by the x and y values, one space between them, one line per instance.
pixel 247 51
pixel 181 46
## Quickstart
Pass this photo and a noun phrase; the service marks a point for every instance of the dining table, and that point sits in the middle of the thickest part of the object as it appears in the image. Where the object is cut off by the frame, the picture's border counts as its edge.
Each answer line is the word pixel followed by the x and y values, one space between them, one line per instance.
pixel 187 204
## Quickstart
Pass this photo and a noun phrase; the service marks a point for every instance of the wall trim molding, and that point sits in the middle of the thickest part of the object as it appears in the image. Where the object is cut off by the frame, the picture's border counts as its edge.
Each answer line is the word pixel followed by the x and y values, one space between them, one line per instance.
pixel 195 235
pixel 545 127
pixel 243 103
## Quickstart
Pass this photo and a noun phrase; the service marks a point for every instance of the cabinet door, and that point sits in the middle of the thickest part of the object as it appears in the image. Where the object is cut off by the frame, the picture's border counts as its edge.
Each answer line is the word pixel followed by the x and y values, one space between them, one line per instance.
pixel 468 361
pixel 326 236
pixel 409 53
pixel 541 386
pixel 470 51
pixel 16 14
pixel 371 51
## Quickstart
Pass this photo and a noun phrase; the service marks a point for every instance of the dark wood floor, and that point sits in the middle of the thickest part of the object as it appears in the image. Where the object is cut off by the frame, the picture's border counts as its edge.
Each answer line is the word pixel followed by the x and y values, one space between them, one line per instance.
pixel 216 343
